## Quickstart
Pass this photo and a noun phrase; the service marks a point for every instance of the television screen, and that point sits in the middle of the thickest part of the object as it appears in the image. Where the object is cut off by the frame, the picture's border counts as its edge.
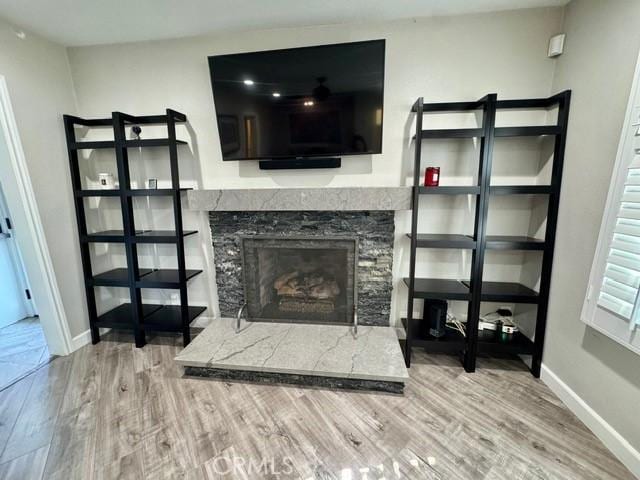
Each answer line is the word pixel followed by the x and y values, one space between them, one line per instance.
pixel 300 102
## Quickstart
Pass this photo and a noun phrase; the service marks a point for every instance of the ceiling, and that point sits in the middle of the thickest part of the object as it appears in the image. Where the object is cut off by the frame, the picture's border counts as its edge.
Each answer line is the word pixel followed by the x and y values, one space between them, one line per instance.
pixel 91 22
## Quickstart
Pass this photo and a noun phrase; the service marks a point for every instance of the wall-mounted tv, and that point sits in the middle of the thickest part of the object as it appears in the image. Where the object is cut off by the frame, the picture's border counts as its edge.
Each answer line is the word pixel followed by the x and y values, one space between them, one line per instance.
pixel 300 103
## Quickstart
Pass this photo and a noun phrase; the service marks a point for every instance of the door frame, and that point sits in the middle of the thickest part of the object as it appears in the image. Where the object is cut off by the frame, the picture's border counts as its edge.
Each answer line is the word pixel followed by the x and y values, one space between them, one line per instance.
pixel 6 227
pixel 32 241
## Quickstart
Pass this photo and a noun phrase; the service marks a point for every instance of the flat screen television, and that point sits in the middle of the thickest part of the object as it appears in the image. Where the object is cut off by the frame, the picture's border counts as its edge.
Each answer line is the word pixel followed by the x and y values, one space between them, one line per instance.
pixel 300 103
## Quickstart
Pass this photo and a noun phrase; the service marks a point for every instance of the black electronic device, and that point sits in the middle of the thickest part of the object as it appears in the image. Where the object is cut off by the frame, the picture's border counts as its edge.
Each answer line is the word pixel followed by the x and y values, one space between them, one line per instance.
pixel 297 105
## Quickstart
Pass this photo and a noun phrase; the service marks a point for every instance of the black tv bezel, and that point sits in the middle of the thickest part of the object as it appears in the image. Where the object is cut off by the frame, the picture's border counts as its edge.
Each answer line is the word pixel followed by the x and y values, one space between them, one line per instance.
pixel 320 155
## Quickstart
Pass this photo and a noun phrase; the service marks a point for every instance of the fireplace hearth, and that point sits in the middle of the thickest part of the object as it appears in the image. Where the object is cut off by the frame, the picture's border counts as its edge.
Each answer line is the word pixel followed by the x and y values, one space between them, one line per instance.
pixel 299 279
pixel 315 265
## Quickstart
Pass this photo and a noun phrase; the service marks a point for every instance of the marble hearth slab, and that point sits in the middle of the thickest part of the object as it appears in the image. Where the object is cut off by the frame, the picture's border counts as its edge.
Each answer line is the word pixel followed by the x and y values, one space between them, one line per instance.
pixel 301 199
pixel 329 351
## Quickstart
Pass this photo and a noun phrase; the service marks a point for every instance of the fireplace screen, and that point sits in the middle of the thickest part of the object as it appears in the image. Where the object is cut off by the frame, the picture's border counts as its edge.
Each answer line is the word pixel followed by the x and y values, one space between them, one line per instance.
pixel 307 280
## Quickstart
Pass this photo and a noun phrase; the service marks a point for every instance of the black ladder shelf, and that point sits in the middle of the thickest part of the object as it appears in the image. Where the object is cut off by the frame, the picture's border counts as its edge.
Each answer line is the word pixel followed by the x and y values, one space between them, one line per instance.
pixel 475 290
pixel 134 315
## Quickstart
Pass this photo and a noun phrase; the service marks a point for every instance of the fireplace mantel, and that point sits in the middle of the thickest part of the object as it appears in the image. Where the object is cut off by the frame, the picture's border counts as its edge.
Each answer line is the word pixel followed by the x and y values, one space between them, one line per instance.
pixel 301 199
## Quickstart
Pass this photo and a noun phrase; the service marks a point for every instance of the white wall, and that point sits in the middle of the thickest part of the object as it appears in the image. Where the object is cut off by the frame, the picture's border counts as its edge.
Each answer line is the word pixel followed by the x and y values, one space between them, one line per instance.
pixel 441 58
pixel 598 64
pixel 446 58
pixel 39 82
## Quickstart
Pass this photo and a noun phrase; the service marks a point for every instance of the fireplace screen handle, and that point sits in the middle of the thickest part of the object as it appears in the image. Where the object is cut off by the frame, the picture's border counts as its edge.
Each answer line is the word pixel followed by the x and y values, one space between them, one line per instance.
pixel 239 317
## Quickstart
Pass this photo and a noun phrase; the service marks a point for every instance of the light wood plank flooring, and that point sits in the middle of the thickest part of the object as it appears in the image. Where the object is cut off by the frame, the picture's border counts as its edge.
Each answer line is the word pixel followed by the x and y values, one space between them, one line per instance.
pixel 23 348
pixel 114 411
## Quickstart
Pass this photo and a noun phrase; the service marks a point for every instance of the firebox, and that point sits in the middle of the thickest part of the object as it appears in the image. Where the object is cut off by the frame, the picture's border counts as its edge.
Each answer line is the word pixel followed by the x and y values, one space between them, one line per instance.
pixel 297 279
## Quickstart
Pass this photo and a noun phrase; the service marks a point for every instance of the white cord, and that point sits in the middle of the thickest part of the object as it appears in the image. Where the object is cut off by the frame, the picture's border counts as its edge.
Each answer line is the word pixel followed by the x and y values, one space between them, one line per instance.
pixel 453 322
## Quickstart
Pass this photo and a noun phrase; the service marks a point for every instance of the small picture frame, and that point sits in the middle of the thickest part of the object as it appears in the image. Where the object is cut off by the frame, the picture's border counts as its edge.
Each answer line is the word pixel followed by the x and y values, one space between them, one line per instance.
pixel 153 183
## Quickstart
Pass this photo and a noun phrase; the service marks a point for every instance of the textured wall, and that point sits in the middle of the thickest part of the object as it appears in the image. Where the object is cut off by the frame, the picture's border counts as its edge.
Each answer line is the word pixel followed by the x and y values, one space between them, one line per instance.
pixel 374 230
pixel 598 65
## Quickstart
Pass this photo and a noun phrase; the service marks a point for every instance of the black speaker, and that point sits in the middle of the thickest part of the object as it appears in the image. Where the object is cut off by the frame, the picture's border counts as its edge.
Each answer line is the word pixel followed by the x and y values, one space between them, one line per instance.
pixel 300 163
pixel 434 316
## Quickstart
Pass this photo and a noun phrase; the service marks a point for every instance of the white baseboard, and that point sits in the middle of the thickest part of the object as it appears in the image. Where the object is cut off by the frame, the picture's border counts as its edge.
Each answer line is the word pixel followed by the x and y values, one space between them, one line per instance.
pixel 615 442
pixel 84 338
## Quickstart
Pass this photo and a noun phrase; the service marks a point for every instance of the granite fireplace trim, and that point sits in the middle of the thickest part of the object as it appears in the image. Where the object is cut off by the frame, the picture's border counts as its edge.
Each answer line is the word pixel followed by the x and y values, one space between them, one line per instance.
pixel 301 199
pixel 373 230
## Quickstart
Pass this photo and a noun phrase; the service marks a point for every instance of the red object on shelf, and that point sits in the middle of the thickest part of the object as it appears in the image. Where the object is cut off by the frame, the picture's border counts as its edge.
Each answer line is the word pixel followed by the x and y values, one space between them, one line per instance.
pixel 432 177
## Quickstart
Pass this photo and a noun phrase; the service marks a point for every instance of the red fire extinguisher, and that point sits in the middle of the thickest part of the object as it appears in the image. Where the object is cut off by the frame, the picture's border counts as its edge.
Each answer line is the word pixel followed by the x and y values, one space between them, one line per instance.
pixel 432 177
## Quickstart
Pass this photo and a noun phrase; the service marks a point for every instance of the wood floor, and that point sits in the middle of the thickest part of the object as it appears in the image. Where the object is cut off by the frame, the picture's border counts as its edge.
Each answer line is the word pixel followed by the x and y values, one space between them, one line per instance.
pixel 114 411
pixel 23 348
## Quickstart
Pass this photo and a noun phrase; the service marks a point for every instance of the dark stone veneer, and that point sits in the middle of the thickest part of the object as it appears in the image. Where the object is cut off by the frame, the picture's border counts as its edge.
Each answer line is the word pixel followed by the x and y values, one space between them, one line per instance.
pixel 296 379
pixel 374 231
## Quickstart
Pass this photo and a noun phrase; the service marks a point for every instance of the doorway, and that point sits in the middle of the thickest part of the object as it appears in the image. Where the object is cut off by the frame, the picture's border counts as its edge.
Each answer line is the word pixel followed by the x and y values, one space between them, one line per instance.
pixel 23 347
pixel 25 260
pixel 15 293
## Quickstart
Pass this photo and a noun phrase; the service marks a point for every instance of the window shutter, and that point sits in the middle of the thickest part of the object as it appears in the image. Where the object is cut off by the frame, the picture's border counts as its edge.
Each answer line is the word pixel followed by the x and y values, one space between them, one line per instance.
pixel 621 279
pixel 612 301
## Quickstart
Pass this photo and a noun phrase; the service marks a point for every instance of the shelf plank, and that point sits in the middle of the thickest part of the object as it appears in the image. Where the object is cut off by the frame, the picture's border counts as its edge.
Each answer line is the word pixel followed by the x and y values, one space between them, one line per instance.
pixel 452 133
pixel 450 190
pixel 152 142
pixel 168 318
pixel 520 189
pixel 149 278
pixel 449 107
pixel 527 131
pixel 452 106
pixel 159 318
pixel 101 144
pixel 452 342
pixel 164 278
pixel 527 104
pixel 113 192
pixel 116 277
pixel 105 236
pixel 155 119
pixel 154 192
pixel 512 242
pixel 507 292
pixel 122 316
pixel 93 145
pixel 160 236
pixel 519 344
pixel 130 119
pixel 430 240
pixel 141 236
pixel 437 288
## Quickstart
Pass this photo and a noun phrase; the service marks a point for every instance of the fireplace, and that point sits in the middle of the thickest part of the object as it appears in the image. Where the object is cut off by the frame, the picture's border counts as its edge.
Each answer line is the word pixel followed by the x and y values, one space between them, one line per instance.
pixel 299 279
pixel 373 230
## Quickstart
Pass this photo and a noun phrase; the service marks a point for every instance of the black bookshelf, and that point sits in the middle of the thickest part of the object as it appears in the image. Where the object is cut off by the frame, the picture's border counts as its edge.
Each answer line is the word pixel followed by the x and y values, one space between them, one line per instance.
pixel 135 316
pixel 474 290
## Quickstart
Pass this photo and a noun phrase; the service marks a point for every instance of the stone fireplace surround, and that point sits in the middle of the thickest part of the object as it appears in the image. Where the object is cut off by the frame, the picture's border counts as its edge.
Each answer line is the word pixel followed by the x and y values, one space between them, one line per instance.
pixel 373 230
pixel 332 356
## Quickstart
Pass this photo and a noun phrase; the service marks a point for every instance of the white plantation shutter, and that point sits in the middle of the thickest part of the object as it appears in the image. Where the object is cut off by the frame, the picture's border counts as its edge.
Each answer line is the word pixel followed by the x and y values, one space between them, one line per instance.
pixel 621 280
pixel 612 303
